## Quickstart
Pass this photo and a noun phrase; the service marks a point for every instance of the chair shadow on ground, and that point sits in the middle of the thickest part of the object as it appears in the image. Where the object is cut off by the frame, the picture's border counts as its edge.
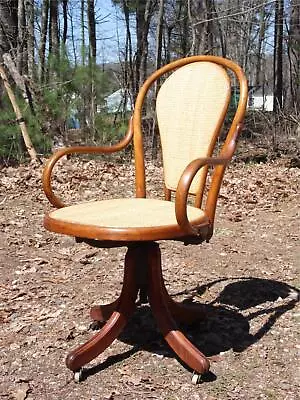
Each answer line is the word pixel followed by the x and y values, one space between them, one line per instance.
pixel 227 325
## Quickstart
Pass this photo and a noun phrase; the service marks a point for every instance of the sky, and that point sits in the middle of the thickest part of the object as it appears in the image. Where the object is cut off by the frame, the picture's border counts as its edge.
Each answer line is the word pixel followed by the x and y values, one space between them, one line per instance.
pixel 110 32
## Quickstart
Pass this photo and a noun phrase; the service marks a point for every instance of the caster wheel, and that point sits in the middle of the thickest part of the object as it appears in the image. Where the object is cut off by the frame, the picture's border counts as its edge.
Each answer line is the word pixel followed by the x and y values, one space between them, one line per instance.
pixel 196 378
pixel 78 376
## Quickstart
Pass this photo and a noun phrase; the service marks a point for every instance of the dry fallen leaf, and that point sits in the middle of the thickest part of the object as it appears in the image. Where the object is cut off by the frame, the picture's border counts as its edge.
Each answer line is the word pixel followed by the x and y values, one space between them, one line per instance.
pixel 22 392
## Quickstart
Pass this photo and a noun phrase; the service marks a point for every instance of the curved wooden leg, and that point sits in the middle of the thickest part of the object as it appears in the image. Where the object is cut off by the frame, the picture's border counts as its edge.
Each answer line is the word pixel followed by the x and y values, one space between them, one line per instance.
pixel 103 312
pixel 185 313
pixel 185 350
pixel 113 327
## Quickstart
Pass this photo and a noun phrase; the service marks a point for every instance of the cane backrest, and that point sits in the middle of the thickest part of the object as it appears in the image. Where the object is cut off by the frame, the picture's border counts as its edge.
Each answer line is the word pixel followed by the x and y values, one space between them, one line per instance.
pixel 191 107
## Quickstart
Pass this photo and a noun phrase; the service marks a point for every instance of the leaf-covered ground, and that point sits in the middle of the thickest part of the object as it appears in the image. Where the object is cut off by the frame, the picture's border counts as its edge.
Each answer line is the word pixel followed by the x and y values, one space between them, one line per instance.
pixel 247 276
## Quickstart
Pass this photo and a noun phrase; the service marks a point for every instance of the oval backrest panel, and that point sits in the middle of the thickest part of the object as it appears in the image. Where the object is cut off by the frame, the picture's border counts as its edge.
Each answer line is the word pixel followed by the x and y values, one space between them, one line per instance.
pixel 191 106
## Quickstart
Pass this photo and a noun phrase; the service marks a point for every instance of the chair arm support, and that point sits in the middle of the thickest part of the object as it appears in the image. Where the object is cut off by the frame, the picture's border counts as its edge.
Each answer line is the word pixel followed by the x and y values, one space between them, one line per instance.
pixel 47 173
pixel 231 143
pixel 183 190
pixel 217 177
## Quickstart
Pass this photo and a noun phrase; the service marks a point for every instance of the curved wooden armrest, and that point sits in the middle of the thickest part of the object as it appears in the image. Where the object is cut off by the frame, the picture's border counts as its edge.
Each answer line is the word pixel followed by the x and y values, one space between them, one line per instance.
pixel 183 190
pixel 47 173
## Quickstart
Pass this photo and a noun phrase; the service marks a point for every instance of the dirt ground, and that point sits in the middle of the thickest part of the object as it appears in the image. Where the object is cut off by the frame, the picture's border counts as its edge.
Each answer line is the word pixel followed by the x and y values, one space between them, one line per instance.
pixel 247 276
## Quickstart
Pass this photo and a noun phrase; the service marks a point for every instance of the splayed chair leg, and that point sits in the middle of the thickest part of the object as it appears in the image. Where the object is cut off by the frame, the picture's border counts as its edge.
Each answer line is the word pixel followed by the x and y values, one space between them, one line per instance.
pixel 103 312
pixel 185 350
pixel 116 322
pixel 182 312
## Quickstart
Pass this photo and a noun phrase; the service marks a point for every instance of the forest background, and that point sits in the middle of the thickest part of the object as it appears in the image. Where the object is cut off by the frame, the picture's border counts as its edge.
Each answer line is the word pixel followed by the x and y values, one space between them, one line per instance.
pixel 62 60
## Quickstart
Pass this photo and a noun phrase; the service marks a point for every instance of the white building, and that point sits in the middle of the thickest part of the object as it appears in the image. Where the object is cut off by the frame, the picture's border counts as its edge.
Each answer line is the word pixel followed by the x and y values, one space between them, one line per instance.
pixel 115 101
pixel 260 99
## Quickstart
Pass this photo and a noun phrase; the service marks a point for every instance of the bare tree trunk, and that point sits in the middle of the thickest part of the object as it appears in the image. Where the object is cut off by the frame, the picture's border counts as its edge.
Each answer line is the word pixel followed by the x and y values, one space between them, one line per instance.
pixel 144 56
pixel 194 32
pixel 180 24
pixel 54 32
pixel 21 36
pixel 262 31
pixel 20 81
pixel 294 55
pixel 247 42
pixel 73 40
pixel 82 22
pixel 278 46
pixel 29 9
pixel 143 16
pixel 167 43
pixel 65 19
pixel 199 26
pixel 84 114
pixel 184 41
pixel 92 29
pixel 220 30
pixel 8 27
pixel 20 120
pixel 8 31
pixel 92 60
pixel 158 53
pixel 159 33
pixel 209 31
pixel 128 70
pixel 42 48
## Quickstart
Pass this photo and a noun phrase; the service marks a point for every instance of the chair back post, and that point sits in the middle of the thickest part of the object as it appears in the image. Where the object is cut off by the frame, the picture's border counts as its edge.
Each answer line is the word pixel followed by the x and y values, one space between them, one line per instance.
pixel 230 144
pixel 140 181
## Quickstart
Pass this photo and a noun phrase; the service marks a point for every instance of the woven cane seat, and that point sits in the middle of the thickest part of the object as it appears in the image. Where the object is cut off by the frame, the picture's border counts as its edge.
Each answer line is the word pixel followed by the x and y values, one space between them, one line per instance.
pixel 104 219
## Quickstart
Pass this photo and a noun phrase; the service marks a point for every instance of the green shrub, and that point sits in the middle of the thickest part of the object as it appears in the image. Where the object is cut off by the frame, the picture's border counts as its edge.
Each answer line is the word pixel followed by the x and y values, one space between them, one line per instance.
pixel 109 129
pixel 12 148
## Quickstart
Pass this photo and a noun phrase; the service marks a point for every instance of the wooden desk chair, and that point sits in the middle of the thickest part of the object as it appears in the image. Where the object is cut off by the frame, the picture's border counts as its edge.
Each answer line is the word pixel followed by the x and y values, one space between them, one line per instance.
pixel 191 106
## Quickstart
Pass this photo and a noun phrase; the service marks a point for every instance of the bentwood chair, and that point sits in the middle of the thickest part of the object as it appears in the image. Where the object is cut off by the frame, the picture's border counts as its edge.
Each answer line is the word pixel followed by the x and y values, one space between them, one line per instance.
pixel 191 107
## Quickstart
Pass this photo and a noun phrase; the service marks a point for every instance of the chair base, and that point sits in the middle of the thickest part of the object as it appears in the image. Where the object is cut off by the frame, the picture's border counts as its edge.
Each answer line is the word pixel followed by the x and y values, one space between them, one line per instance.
pixel 143 277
